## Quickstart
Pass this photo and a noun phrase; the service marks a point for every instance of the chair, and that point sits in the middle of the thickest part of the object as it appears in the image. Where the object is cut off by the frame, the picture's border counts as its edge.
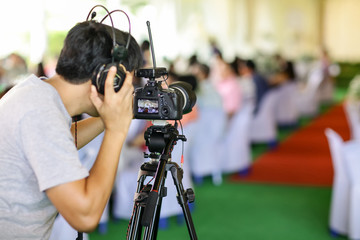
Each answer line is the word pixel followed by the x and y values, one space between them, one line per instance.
pixel 326 91
pixel 263 127
pixel 339 207
pixel 352 155
pixel 236 152
pixel 352 113
pixel 308 101
pixel 286 111
pixel 327 88
pixel 204 155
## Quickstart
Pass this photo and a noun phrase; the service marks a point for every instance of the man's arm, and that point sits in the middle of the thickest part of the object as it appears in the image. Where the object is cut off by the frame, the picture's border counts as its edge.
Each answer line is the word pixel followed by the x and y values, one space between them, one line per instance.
pixel 82 202
pixel 87 130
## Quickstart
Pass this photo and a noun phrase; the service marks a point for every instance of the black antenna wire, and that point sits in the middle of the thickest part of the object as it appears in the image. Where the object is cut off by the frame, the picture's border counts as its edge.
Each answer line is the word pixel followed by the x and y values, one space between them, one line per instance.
pixel 108 13
pixel 119 10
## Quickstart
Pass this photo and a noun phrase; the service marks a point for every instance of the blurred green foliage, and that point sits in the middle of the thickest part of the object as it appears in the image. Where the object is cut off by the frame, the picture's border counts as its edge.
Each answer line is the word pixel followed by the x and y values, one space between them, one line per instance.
pixel 55 43
pixel 347 73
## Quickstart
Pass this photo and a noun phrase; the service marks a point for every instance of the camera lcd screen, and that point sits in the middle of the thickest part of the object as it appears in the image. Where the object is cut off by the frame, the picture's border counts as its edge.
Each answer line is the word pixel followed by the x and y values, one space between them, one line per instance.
pixel 148 106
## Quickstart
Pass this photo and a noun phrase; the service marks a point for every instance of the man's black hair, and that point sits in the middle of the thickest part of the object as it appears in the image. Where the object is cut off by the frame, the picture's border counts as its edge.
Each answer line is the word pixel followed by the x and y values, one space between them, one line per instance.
pixel 88 45
pixel 145 45
pixel 251 64
pixel 193 60
pixel 290 71
pixel 235 65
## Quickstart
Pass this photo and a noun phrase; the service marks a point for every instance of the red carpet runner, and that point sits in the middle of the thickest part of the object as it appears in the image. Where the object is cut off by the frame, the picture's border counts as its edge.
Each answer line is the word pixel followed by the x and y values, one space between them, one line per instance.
pixel 304 157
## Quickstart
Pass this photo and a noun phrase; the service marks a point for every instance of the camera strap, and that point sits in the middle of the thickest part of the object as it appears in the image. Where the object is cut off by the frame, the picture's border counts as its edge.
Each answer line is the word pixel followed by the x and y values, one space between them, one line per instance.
pixel 80 236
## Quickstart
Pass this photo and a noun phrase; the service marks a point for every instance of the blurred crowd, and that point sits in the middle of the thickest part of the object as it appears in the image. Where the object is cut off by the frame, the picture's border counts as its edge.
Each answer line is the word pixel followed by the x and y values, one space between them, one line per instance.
pixel 239 103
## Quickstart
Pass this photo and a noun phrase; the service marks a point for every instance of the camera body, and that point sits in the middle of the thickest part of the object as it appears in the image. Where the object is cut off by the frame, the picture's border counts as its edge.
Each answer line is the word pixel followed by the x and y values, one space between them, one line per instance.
pixel 152 102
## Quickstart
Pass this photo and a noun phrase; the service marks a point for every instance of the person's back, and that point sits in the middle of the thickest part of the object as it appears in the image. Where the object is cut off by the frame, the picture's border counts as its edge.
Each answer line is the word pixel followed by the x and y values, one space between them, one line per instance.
pixel 261 86
pixel 247 68
pixel 229 89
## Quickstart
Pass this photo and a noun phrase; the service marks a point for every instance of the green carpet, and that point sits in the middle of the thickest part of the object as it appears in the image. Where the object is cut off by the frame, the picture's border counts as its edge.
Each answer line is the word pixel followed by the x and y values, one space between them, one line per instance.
pixel 251 212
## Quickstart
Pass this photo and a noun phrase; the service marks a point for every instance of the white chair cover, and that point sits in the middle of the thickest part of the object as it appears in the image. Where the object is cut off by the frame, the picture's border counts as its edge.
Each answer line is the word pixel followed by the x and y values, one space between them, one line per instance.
pixel 352 113
pixel 205 156
pixel 263 127
pixel 62 230
pixel 308 100
pixel 286 111
pixel 327 87
pixel 326 91
pixel 339 210
pixel 236 152
pixel 126 183
pixel 352 155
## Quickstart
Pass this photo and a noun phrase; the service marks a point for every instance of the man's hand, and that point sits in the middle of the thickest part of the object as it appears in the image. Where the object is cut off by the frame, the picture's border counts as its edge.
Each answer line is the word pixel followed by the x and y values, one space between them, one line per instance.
pixel 116 107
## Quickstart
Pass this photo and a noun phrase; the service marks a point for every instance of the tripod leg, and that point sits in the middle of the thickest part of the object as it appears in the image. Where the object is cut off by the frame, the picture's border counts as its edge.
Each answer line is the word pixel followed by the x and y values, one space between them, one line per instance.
pixel 141 203
pixel 152 230
pixel 154 193
pixel 134 228
pixel 177 175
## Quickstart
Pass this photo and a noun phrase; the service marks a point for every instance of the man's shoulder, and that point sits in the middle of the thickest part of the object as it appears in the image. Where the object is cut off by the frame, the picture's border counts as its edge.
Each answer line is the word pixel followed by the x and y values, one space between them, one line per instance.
pixel 33 84
pixel 36 92
pixel 33 95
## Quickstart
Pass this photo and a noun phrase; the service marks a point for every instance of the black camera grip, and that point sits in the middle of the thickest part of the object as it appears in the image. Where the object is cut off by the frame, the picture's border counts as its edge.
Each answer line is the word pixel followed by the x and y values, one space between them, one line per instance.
pixel 150 208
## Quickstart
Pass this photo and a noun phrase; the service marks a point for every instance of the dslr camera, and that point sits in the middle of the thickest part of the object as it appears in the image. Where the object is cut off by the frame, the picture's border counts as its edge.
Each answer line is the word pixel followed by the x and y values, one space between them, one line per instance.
pixel 153 102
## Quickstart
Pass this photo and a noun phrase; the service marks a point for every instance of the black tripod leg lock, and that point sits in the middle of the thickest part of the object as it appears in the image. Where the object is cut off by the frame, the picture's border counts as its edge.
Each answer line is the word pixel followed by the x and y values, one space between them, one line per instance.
pixel 190 195
pixel 186 197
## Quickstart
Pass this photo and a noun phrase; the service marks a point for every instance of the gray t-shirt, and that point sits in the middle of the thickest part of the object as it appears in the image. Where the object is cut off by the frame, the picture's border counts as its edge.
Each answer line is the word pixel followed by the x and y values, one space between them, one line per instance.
pixel 37 152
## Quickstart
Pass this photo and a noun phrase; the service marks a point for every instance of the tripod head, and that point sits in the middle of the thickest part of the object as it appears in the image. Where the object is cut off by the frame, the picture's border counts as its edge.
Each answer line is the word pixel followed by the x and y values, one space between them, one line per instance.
pixel 161 138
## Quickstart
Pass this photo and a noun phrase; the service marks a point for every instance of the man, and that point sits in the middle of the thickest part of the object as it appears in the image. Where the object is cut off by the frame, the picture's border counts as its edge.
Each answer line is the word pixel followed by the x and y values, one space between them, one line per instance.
pixel 40 173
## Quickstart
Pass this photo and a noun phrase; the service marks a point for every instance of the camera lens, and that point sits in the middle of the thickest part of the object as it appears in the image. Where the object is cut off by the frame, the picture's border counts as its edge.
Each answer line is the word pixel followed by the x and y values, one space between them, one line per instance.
pixel 185 91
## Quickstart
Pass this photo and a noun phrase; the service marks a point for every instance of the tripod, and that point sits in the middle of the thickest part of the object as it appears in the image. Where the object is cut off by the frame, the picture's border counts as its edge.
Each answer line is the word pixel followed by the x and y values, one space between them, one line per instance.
pixel 148 198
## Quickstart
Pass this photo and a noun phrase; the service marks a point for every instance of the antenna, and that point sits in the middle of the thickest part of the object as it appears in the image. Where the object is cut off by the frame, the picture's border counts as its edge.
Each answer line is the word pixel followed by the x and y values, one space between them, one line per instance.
pixel 151 44
pixel 153 72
